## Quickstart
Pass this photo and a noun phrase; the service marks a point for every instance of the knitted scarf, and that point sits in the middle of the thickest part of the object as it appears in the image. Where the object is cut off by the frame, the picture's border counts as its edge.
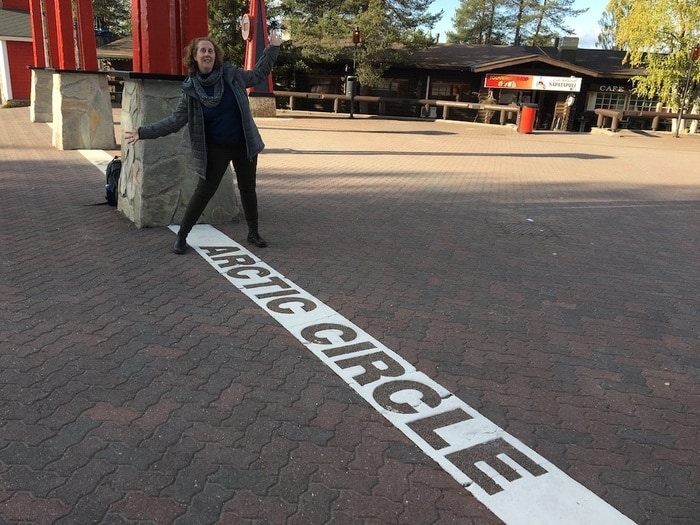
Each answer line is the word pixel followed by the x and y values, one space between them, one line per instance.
pixel 212 79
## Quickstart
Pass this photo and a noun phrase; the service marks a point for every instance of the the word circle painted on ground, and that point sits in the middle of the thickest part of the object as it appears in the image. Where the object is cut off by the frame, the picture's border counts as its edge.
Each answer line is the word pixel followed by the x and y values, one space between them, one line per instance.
pixel 512 480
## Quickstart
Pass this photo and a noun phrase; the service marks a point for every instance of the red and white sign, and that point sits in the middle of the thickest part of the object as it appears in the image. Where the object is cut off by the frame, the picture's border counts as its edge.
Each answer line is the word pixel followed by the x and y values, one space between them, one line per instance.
pixel 533 82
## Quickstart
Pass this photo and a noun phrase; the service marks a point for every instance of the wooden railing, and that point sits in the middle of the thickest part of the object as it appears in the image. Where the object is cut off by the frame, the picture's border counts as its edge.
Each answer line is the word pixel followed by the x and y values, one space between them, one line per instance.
pixel 617 117
pixel 421 106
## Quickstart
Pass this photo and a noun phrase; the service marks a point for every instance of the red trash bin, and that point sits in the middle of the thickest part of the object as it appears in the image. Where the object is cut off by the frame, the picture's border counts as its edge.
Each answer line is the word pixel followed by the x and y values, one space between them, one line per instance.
pixel 527 118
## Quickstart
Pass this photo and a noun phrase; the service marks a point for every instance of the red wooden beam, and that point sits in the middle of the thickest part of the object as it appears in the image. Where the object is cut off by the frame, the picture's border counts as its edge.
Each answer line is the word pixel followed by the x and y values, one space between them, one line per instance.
pixel 194 23
pixel 174 45
pixel 153 37
pixel 35 17
pixel 258 40
pixel 157 46
pixel 63 34
pixel 136 30
pixel 86 36
pixel 51 25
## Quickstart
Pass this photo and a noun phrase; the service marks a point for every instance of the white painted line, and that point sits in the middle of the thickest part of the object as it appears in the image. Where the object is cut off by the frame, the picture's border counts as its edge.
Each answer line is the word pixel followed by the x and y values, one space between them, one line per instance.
pixel 512 480
pixel 97 157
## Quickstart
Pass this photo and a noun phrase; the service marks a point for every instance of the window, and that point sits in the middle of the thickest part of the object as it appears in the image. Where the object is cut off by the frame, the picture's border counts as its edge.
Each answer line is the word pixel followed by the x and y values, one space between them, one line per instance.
pixel 619 101
pixel 610 101
pixel 640 104
pixel 323 84
pixel 440 90
pixel 391 87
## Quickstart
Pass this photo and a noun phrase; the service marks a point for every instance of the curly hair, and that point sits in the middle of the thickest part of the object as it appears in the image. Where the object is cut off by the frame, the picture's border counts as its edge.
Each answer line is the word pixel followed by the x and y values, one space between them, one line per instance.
pixel 191 53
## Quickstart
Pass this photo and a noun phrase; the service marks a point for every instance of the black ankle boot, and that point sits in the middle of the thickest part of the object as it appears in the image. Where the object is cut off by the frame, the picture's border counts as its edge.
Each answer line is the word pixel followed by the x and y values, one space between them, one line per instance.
pixel 180 245
pixel 254 238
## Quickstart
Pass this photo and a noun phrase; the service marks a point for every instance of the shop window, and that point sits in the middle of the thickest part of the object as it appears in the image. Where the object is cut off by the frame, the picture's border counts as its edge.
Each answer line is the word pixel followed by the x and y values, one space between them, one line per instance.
pixel 441 90
pixel 619 101
pixel 609 101
pixel 506 96
pixel 323 84
pixel 640 104
pixel 391 87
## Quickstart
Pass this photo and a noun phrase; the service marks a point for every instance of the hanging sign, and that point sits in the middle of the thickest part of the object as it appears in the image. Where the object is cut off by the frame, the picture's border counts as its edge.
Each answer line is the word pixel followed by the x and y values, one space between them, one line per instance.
pixel 534 82
pixel 247 26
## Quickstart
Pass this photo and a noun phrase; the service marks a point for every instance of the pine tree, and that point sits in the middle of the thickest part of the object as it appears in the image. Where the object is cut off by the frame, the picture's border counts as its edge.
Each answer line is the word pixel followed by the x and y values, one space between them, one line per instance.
pixel 608 30
pixel 225 26
pixel 322 30
pixel 517 22
pixel 113 16
pixel 479 22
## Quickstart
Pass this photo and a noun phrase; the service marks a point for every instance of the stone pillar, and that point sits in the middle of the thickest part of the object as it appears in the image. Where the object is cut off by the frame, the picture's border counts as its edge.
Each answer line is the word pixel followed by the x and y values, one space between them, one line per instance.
pixel 41 95
pixel 155 184
pixel 82 111
pixel 263 105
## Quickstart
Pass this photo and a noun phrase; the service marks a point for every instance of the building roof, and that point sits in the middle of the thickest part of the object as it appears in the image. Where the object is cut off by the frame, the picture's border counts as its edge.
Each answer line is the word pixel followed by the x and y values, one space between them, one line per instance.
pixel 15 24
pixel 486 58
pixel 609 63
pixel 120 48
pixel 596 63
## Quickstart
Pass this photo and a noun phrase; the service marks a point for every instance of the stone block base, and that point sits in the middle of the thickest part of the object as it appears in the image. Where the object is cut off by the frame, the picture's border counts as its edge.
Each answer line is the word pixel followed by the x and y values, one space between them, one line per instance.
pixel 263 106
pixel 82 111
pixel 155 185
pixel 40 109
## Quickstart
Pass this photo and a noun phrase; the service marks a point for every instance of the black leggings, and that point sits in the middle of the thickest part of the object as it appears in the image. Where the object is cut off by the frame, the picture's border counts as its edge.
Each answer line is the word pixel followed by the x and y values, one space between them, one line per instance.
pixel 218 158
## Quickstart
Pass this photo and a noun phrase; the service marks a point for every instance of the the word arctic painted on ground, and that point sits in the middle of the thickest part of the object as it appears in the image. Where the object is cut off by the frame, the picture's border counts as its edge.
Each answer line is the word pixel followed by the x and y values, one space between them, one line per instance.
pixel 513 481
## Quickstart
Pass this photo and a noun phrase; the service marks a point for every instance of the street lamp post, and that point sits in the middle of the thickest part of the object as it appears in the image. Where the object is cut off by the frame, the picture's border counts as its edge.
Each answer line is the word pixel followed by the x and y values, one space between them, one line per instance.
pixel 352 80
pixel 694 55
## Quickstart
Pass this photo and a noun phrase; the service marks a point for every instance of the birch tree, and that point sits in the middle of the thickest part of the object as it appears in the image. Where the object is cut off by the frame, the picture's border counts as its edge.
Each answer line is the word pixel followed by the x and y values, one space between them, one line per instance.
pixel 658 36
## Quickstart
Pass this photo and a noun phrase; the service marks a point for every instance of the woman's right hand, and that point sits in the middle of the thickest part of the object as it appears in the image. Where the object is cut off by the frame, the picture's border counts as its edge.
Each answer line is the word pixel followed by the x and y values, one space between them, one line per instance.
pixel 275 37
pixel 131 136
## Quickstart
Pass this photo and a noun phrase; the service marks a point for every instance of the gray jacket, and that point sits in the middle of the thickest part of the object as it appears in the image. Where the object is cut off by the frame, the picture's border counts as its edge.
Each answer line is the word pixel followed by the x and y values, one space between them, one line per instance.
pixel 189 111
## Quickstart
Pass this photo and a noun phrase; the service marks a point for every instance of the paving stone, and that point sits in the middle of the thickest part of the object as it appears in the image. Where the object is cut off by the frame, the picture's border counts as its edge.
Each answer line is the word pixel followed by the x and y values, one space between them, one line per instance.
pixel 138 386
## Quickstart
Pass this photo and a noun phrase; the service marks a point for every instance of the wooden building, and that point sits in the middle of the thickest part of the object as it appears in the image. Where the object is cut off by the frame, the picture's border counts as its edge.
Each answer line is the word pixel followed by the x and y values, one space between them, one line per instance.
pixel 565 82
pixel 16 53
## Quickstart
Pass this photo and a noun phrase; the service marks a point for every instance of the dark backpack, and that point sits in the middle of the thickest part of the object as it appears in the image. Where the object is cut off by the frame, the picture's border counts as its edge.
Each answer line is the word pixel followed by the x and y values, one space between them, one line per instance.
pixel 114 169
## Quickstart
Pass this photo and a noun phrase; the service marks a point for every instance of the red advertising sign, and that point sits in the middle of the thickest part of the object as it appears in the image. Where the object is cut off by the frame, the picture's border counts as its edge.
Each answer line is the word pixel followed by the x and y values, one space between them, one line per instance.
pixel 532 82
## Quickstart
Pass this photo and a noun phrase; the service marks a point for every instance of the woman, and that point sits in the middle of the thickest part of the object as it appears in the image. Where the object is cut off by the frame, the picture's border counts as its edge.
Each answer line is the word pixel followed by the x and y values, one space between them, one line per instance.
pixel 214 105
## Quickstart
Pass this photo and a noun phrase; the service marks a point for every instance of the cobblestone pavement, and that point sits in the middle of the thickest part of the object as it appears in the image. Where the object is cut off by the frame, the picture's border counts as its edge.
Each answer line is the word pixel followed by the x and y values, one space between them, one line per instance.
pixel 549 280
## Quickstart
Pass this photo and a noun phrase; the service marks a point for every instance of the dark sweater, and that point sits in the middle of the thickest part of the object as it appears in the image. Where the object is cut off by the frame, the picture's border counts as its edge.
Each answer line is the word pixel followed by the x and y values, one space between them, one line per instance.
pixel 223 124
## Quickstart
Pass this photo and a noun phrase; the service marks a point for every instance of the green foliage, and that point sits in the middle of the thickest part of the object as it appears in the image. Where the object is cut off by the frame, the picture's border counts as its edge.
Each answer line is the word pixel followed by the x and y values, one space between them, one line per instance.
pixel 531 22
pixel 608 30
pixel 548 20
pixel 225 27
pixel 322 31
pixel 113 15
pixel 658 36
pixel 479 22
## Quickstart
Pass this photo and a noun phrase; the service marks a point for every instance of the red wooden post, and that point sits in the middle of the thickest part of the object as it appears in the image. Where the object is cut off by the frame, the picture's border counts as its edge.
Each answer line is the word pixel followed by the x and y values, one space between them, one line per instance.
pixel 256 43
pixel 86 36
pixel 194 22
pixel 151 37
pixel 136 35
pixel 51 25
pixel 35 16
pixel 174 44
pixel 64 35
pixel 158 46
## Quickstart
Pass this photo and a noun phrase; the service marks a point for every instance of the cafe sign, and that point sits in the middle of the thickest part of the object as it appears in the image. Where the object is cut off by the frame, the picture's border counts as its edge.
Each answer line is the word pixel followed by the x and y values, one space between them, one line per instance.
pixel 611 88
pixel 533 82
